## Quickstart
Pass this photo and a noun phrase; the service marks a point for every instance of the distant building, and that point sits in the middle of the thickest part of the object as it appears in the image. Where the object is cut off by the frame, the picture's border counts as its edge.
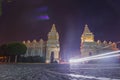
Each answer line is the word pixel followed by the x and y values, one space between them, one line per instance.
pixel 91 47
pixel 48 49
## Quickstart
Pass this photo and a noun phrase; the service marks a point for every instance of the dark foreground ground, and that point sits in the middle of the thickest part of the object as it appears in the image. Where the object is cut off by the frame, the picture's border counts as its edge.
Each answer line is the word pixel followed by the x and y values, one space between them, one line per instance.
pixel 59 72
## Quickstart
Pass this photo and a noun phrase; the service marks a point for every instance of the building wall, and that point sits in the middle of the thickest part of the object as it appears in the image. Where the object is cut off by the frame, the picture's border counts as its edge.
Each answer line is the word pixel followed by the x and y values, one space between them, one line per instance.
pixel 53 45
pixel 35 48
pixel 90 47
pixel 45 48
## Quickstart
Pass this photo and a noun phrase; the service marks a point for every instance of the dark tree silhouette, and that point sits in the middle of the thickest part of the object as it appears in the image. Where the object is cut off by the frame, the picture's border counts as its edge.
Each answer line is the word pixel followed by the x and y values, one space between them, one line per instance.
pixel 16 49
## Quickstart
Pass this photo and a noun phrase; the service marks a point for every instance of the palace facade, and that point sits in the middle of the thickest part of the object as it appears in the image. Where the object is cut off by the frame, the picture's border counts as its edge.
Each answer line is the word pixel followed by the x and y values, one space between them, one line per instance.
pixel 49 49
pixel 90 47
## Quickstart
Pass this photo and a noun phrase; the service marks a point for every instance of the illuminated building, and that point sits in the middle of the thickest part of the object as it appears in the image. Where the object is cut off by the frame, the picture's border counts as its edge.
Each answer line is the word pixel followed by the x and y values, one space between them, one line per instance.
pixel 91 47
pixel 46 49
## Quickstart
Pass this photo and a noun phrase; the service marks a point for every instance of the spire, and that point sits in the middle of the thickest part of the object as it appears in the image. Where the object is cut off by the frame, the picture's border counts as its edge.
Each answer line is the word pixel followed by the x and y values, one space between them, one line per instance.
pixel 87 35
pixel 53 28
pixel 23 42
pixel 34 41
pixel 41 40
pixel 86 29
pixel 28 41
pixel 53 34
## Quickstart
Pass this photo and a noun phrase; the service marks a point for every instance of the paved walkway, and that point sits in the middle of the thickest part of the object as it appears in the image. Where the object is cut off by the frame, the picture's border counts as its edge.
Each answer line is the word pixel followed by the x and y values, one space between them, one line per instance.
pixel 58 72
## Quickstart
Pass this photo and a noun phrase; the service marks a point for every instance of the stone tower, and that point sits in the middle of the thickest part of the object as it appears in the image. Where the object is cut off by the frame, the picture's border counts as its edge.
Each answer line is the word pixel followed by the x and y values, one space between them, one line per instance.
pixel 52 46
pixel 87 42
pixel 91 47
pixel 87 35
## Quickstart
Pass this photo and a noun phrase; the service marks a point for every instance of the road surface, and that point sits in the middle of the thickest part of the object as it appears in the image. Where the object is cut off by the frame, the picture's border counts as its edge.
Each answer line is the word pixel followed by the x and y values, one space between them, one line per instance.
pixel 59 72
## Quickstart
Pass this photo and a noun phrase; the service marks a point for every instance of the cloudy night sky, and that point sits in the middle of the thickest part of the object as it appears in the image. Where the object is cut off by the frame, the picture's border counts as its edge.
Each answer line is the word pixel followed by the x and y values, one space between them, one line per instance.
pixel 33 19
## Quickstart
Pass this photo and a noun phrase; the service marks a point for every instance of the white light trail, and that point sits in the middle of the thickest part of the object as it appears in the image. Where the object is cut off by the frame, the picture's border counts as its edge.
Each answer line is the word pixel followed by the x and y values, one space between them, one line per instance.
pixel 100 56
pixel 105 57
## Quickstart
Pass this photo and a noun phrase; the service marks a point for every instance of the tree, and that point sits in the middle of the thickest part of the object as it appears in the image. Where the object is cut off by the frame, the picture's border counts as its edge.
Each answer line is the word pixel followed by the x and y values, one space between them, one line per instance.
pixel 3 49
pixel 16 49
pixel 3 52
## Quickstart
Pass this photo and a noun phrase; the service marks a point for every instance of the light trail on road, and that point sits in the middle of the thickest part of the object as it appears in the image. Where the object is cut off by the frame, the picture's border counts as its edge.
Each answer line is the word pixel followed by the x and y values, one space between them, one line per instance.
pixel 78 76
pixel 100 56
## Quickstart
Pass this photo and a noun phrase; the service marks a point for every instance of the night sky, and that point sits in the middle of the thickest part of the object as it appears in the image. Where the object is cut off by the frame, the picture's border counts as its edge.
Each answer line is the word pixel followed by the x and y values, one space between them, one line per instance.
pixel 32 19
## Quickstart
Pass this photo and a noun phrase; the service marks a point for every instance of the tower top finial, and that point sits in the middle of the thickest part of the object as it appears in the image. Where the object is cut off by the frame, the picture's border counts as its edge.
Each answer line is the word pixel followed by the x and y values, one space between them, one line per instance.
pixel 53 28
pixel 86 25
pixel 86 29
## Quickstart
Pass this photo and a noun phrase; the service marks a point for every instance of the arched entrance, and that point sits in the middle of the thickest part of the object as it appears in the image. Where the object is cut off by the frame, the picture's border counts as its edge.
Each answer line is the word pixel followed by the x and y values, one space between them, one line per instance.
pixel 52 57
pixel 90 53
